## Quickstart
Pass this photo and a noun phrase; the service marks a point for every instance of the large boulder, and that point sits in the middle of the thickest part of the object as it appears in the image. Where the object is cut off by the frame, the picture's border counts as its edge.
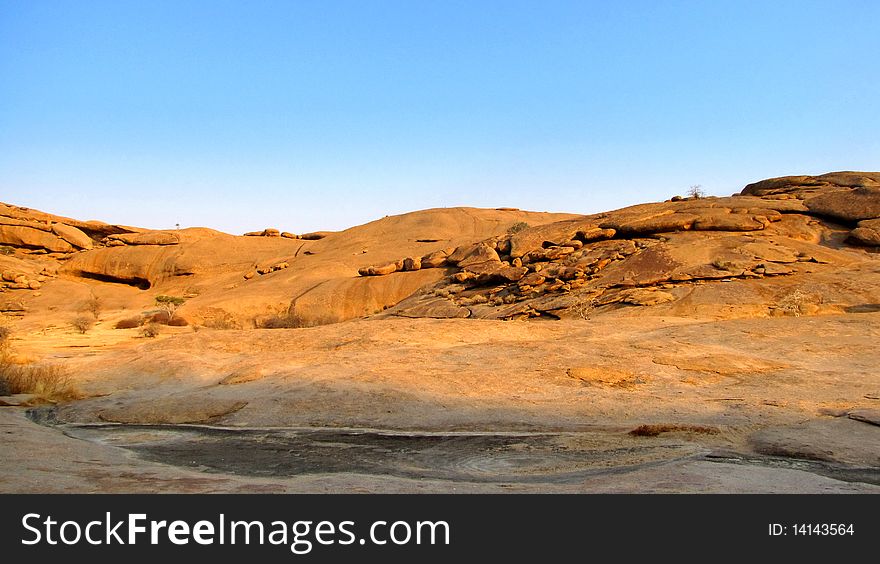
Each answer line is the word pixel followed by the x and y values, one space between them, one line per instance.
pixel 435 259
pixel 867 233
pixel 382 270
pixel 32 238
pixel 798 186
pixel 72 235
pixel 482 253
pixel 496 271
pixel 853 204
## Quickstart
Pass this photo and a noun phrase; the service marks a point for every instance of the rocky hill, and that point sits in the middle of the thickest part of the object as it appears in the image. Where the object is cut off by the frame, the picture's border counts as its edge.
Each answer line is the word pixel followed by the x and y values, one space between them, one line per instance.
pixel 50 265
pixel 789 245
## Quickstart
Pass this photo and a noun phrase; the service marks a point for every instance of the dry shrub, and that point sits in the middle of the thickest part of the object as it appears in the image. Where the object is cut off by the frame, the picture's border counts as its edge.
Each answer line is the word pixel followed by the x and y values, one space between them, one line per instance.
pixel 655 430
pixel 797 303
pixel 281 321
pixel 83 323
pixel 49 382
pixel 222 323
pixel 584 308
pixel 217 318
pixel 727 265
pixel 128 323
pixel 696 192
pixel 151 330
pixel 91 305
pixel 289 320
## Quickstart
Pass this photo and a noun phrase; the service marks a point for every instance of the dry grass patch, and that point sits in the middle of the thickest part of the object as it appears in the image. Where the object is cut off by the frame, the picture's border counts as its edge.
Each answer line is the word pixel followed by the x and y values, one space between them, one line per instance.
pixel 49 382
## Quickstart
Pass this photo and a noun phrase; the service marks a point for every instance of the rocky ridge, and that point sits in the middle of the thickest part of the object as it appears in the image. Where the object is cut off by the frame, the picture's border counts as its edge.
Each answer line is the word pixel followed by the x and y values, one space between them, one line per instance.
pixel 653 254
pixel 665 258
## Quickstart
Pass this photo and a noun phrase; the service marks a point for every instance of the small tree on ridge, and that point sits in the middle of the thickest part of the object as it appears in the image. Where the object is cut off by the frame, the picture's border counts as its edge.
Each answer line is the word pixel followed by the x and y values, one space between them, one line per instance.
pixel 169 304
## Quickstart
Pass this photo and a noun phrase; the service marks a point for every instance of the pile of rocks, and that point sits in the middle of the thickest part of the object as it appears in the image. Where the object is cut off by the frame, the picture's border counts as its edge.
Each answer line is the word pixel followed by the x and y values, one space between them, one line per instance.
pixel 14 280
pixel 270 232
pixel 263 270
pixel 848 197
pixel 436 259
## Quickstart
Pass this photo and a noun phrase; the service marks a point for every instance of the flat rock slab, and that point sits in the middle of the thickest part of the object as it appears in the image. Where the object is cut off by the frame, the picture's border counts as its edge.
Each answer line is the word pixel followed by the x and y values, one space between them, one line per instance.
pixel 173 410
pixel 839 441
pixel 720 363
pixel 871 416
pixel 17 400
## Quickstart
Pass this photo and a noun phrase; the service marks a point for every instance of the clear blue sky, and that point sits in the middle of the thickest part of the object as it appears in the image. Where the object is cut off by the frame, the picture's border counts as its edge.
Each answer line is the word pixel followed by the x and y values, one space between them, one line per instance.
pixel 325 114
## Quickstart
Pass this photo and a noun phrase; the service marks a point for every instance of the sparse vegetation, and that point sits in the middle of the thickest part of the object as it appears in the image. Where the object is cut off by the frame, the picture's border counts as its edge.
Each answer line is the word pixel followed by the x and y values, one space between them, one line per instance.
pixel 6 250
pixel 442 293
pixel 289 320
pixel 49 382
pixel 217 318
pixel 724 265
pixel 93 306
pixel 83 323
pixel 169 304
pixel 225 323
pixel 151 330
pixel 5 335
pixel 696 192
pixel 281 321
pixel 584 308
pixel 517 227
pixel 795 303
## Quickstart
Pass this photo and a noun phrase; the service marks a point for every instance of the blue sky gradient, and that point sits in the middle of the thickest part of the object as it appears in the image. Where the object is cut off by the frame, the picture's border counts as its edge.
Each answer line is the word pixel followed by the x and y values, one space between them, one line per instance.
pixel 326 114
